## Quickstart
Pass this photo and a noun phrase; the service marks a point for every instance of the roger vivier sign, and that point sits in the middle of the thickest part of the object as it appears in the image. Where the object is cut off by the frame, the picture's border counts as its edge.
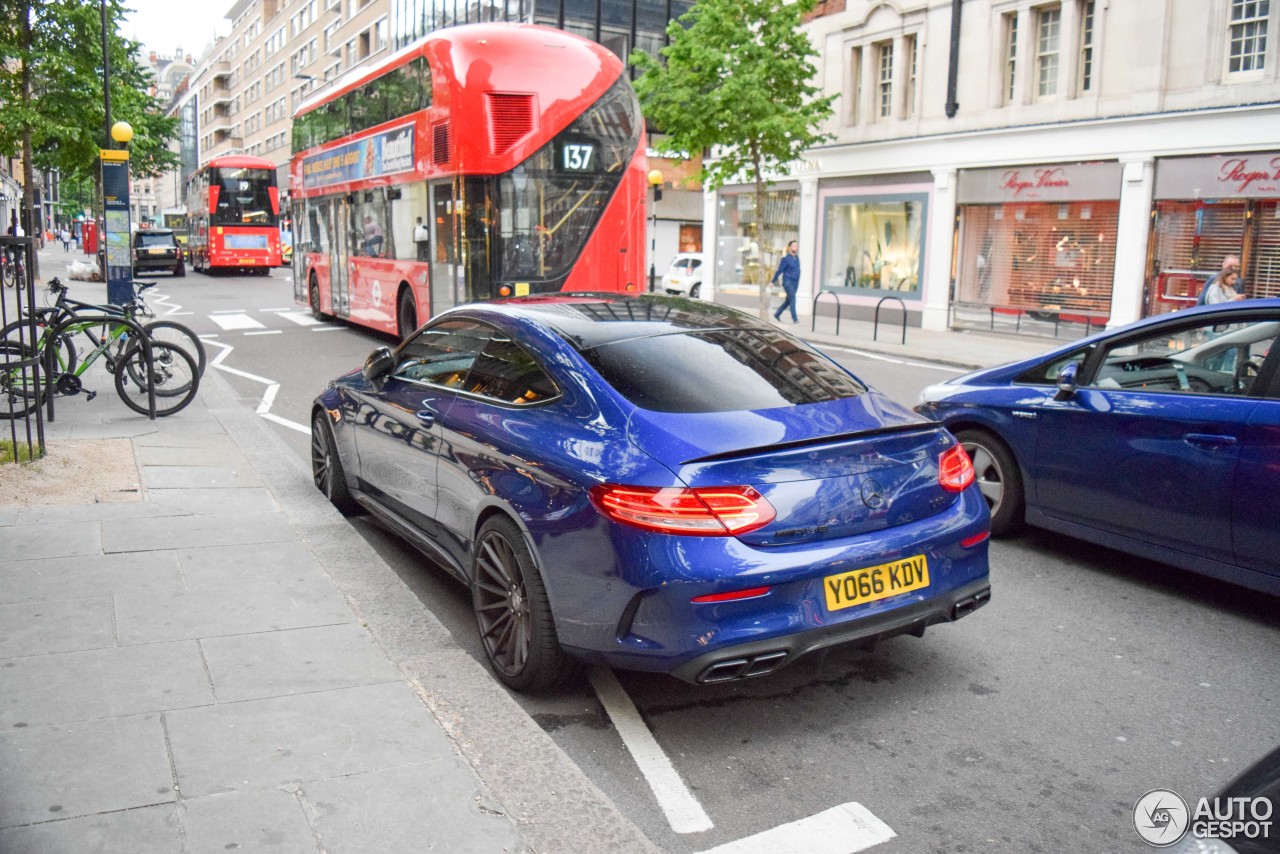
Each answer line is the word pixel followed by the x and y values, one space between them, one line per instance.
pixel 1067 182
pixel 1234 176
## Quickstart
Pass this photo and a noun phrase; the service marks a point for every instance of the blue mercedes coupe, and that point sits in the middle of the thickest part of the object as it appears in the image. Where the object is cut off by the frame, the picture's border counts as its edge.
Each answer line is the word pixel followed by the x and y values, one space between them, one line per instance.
pixel 654 483
pixel 1160 438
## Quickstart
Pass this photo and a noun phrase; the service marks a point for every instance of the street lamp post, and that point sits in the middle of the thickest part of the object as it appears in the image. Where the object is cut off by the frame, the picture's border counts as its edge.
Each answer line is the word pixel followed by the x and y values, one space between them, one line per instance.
pixel 655 181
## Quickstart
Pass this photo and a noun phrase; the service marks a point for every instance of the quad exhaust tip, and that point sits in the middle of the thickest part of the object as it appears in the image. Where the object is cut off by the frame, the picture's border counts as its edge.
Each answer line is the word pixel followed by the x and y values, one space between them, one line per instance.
pixel 732 669
pixel 967 606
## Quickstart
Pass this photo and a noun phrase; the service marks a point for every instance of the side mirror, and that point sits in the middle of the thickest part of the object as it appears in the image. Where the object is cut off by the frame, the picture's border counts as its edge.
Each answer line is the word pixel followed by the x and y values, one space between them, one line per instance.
pixel 378 365
pixel 1067 382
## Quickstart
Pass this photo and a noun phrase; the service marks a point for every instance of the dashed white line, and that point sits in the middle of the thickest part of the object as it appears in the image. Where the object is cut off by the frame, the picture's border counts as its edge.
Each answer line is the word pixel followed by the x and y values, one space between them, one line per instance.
pixel 330 328
pixel 232 322
pixel 840 830
pixel 684 813
pixel 267 332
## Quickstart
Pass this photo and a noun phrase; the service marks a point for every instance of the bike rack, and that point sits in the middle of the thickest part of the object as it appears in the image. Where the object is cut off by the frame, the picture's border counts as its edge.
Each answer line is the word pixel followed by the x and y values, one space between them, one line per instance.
pixel 813 311
pixel 875 329
pixel 134 328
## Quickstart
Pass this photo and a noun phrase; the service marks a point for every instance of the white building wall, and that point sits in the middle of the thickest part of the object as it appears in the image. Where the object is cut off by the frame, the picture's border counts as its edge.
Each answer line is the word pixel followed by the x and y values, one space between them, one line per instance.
pixel 1160 86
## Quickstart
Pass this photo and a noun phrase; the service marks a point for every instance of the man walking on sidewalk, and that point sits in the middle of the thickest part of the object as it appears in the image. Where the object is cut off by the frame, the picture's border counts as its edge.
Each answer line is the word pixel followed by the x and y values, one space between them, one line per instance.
pixel 789 270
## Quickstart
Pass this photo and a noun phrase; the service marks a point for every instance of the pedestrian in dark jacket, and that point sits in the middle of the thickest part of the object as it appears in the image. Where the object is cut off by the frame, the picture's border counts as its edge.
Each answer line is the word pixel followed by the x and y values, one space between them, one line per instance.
pixel 789 272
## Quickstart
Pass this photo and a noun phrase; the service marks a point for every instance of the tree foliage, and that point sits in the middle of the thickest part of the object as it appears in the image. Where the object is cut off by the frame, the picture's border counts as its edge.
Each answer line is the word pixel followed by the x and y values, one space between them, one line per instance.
pixel 63 116
pixel 737 80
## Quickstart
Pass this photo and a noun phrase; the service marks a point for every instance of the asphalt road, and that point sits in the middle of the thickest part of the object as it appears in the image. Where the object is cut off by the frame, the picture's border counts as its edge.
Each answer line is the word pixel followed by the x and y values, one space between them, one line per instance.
pixel 1033 725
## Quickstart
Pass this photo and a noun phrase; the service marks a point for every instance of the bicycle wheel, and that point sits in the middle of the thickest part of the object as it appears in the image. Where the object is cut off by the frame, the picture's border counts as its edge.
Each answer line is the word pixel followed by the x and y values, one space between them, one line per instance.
pixel 172 332
pixel 20 394
pixel 65 356
pixel 176 378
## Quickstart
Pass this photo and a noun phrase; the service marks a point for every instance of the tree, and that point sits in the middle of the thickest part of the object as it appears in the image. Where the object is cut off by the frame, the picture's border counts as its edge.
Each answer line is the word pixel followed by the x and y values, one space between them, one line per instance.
pixel 51 91
pixel 738 78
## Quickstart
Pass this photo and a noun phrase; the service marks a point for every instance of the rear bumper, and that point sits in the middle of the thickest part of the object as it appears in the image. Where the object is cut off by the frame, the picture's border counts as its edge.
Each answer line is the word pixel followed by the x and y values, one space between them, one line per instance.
pixel 156 263
pixel 760 657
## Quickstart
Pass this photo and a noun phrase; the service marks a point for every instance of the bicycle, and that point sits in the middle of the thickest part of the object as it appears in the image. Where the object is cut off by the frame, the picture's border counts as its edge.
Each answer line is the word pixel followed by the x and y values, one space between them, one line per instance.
pixel 65 308
pixel 172 370
pixel 13 269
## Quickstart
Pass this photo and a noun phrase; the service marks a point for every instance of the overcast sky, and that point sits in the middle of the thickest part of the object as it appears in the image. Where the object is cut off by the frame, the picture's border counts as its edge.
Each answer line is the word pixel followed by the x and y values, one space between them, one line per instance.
pixel 164 26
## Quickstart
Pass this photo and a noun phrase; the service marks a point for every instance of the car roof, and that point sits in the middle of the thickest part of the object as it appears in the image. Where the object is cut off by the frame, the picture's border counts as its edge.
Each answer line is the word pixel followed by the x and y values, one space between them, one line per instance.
pixel 154 231
pixel 592 320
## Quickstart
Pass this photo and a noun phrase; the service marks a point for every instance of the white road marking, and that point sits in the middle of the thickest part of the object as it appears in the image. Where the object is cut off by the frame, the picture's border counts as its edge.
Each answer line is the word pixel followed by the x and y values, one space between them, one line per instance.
pixel 240 320
pixel 268 396
pixel 840 830
pixel 267 332
pixel 302 318
pixel 329 328
pixel 285 422
pixel 227 311
pixel 274 310
pixel 684 813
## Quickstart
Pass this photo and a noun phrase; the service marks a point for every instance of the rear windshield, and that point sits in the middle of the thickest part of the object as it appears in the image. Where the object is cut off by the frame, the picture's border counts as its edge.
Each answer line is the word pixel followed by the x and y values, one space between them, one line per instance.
pixel 154 239
pixel 720 371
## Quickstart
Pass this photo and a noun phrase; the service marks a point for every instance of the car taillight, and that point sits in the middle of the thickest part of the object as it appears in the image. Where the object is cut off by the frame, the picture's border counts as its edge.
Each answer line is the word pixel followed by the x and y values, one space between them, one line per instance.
pixel 706 511
pixel 955 469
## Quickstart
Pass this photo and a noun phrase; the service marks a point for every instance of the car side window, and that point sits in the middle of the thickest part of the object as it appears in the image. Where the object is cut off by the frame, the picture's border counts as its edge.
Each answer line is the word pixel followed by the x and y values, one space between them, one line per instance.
pixel 1047 373
pixel 1204 358
pixel 441 355
pixel 506 372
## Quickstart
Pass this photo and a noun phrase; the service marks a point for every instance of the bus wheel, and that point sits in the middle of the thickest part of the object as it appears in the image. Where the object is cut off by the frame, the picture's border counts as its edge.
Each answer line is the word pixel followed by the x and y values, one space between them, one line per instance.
pixel 313 299
pixel 407 318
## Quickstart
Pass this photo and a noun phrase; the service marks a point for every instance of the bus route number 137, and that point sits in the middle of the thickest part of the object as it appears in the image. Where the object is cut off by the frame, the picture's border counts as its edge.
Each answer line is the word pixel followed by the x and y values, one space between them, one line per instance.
pixel 577 157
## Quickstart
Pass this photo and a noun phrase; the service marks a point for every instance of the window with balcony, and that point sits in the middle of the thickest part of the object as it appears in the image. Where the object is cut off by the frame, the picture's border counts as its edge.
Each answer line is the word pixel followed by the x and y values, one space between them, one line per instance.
pixel 1247 36
pixel 855 84
pixel 1086 46
pixel 884 79
pixel 1048 42
pixel 911 63
pixel 1010 57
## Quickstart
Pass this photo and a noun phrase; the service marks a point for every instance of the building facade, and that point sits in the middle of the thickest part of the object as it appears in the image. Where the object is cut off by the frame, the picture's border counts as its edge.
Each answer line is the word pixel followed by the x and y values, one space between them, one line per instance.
pixel 1094 163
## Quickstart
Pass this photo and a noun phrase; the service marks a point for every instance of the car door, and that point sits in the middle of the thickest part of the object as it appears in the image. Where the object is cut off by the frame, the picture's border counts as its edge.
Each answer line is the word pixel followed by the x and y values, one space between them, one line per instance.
pixel 1256 493
pixel 1148 444
pixel 398 435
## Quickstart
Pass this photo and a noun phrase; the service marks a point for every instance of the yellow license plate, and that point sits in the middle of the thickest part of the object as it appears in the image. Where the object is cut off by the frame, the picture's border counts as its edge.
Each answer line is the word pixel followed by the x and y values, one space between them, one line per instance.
pixel 156 251
pixel 876 582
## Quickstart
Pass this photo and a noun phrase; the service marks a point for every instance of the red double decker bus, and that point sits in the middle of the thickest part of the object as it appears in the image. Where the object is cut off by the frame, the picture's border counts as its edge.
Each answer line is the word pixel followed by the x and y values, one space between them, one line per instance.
pixel 479 162
pixel 233 213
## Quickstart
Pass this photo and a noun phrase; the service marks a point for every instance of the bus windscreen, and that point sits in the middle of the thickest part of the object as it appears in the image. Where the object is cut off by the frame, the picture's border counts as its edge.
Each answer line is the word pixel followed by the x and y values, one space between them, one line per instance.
pixel 243 197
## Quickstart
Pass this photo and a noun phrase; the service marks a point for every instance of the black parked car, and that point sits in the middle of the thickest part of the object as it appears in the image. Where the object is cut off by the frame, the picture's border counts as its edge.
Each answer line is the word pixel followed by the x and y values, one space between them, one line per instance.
pixel 157 249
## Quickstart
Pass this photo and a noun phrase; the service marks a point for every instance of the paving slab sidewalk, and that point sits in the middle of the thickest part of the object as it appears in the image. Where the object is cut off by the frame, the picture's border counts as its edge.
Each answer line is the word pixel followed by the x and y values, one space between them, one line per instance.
pixel 225 664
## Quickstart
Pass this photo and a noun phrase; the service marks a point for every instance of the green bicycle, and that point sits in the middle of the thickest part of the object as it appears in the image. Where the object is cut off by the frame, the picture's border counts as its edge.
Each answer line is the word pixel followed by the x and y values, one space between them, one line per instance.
pixel 117 339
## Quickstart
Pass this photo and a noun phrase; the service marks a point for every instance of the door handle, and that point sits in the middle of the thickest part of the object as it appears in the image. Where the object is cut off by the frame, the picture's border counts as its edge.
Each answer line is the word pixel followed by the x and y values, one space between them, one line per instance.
pixel 1209 440
pixel 427 417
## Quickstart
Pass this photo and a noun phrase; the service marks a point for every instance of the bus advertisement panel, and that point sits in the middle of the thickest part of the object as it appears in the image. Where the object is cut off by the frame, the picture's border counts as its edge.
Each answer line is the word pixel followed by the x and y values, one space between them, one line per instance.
pixel 233 207
pixel 480 162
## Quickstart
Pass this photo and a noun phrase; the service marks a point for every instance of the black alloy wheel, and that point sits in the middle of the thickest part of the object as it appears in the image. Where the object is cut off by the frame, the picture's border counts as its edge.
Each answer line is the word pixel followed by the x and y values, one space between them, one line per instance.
pixel 313 298
pixel 326 466
pixel 695 291
pixel 998 478
pixel 512 612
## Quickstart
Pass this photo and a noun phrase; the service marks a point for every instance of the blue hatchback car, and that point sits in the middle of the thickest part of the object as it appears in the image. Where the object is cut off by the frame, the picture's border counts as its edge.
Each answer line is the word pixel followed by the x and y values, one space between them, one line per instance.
pixel 654 484
pixel 1161 438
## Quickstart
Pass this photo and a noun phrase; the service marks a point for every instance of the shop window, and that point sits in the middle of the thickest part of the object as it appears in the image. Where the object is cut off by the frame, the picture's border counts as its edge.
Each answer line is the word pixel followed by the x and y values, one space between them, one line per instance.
pixel 747 252
pixel 1247 36
pixel 873 243
pixel 1055 257
pixel 1048 38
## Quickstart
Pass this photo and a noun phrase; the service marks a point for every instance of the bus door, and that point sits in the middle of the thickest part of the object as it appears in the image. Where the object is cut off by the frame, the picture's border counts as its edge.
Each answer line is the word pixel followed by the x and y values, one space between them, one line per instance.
pixel 339 256
pixel 446 274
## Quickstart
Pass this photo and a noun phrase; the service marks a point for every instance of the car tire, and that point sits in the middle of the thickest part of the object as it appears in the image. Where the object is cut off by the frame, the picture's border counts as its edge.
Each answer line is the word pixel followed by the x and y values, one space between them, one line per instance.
pixel 180 270
pixel 999 479
pixel 326 467
pixel 695 291
pixel 407 315
pixel 512 612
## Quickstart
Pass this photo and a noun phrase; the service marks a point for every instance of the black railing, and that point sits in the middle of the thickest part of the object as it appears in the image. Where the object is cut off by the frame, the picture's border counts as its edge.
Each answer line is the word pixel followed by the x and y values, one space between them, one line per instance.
pixel 813 325
pixel 20 368
pixel 875 329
